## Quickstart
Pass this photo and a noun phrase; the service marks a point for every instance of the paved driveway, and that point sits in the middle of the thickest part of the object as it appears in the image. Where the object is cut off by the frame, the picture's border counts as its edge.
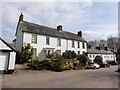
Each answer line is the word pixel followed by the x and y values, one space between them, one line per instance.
pixel 25 78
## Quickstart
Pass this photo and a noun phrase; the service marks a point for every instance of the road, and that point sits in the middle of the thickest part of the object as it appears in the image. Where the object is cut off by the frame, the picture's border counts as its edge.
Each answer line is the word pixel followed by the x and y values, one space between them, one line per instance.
pixel 25 78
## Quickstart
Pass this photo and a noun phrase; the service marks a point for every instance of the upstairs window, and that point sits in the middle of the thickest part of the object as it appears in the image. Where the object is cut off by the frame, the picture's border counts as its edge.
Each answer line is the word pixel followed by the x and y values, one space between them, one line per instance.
pixel 47 40
pixel 83 44
pixel 58 42
pixel 78 44
pixel 73 44
pixel 34 38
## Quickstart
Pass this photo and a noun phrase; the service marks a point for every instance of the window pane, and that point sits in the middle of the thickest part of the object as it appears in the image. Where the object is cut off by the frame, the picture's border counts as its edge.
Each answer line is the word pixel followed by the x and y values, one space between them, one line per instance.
pixel 58 52
pixel 73 44
pixel 47 40
pixel 83 45
pixel 78 44
pixel 35 52
pixel 34 38
pixel 58 42
pixel 78 52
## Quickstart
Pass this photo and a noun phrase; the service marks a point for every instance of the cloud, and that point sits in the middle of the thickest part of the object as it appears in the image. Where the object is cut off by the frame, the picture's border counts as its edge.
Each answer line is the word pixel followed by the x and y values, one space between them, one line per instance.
pixel 99 34
pixel 72 15
pixel 49 14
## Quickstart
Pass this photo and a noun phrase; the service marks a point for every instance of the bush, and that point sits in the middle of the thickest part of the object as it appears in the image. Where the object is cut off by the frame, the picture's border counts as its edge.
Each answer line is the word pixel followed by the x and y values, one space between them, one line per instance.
pixel 111 62
pixel 53 64
pixel 83 60
pixel 69 54
pixel 118 58
pixel 76 64
pixel 53 55
pixel 98 59
pixel 26 53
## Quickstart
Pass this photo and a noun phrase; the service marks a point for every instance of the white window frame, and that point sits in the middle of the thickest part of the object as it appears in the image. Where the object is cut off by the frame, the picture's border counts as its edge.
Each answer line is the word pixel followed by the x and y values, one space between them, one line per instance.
pixel 34 38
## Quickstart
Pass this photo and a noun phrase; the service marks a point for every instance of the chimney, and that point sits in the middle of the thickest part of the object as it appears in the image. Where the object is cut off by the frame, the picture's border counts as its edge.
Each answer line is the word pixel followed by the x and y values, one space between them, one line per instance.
pixel 59 28
pixel 80 33
pixel 106 48
pixel 99 48
pixel 89 47
pixel 21 17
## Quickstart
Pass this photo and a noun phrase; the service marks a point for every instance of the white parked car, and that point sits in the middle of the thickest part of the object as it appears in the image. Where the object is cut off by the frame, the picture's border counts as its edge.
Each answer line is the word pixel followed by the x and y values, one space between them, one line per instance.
pixel 93 65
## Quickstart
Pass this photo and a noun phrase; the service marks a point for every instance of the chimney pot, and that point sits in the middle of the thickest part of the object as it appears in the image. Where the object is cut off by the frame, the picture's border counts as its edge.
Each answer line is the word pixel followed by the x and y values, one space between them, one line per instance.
pixel 99 48
pixel 106 48
pixel 59 28
pixel 21 17
pixel 80 33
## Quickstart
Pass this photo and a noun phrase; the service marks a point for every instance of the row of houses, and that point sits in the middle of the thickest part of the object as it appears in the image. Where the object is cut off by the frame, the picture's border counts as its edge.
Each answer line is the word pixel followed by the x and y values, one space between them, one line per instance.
pixel 45 40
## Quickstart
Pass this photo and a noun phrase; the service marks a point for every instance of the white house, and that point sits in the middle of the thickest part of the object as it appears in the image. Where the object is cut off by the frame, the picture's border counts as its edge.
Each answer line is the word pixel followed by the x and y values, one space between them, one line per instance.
pixel 45 39
pixel 7 56
pixel 106 55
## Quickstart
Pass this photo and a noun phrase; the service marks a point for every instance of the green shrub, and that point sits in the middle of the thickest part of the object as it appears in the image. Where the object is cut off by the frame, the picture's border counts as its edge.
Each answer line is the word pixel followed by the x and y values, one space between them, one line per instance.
pixel 53 55
pixel 53 64
pixel 118 58
pixel 26 53
pixel 69 54
pixel 111 62
pixel 83 60
pixel 76 64
pixel 98 59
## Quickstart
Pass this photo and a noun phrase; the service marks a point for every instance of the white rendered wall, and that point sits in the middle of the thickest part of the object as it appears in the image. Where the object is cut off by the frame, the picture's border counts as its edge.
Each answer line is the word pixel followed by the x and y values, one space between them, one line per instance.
pixel 3 46
pixel 12 59
pixel 19 39
pixel 104 56
pixel 41 44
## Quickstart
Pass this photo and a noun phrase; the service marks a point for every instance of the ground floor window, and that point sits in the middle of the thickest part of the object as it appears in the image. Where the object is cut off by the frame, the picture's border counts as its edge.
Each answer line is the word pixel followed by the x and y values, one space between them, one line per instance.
pixel 35 52
pixel 58 52
pixel 48 51
pixel 78 52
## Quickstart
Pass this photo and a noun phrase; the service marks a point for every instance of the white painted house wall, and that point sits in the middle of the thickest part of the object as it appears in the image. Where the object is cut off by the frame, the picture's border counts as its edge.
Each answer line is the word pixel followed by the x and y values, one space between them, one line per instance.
pixel 41 44
pixel 105 57
pixel 19 37
pixel 4 46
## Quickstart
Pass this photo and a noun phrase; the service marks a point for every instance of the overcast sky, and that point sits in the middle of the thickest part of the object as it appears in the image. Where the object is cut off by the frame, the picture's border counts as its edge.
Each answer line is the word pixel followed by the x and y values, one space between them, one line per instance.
pixel 97 20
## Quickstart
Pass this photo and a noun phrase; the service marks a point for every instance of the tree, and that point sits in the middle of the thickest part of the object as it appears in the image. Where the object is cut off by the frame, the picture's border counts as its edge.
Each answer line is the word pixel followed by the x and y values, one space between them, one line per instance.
pixel 27 52
pixel 98 59
pixel 118 58
pixel 113 43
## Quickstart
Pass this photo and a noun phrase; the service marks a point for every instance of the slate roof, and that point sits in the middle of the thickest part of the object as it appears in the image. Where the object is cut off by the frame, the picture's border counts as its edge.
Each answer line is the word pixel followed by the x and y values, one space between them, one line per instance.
pixel 96 51
pixel 43 30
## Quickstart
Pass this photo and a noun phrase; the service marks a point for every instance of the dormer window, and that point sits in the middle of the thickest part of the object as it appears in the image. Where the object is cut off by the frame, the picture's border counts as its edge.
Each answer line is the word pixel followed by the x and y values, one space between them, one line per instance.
pixel 34 38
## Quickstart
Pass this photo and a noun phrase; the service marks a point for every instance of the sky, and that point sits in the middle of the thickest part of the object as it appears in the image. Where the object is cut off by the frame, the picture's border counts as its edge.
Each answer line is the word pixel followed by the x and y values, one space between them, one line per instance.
pixel 97 20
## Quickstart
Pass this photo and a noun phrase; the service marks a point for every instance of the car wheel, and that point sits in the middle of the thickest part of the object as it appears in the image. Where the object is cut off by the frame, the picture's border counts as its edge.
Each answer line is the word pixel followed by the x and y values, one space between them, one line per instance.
pixel 94 67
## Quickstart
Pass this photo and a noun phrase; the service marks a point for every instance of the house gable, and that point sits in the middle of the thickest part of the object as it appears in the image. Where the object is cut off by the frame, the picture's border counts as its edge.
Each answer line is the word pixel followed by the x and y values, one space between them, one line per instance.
pixel 4 45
